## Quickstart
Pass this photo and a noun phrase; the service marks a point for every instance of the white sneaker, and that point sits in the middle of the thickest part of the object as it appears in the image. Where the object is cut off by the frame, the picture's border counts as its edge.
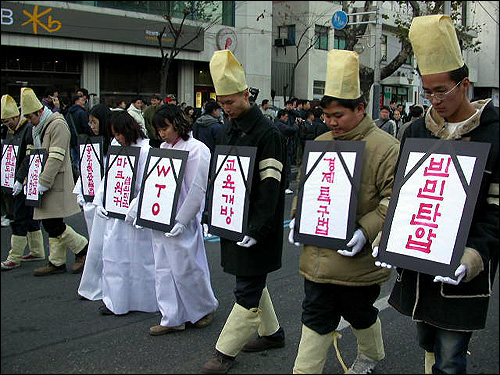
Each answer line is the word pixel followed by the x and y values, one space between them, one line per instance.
pixel 362 365
pixel 288 191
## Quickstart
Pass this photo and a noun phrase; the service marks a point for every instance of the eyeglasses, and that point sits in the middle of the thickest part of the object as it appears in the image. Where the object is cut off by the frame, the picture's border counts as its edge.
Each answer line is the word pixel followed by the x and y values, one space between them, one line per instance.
pixel 439 95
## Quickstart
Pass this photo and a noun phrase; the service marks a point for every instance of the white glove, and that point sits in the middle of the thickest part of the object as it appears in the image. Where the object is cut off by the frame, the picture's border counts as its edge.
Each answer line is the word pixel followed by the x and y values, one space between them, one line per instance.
pixel 357 242
pixel 42 189
pixel 379 263
pixel 460 273
pixel 80 200
pixel 177 230
pixel 88 206
pixel 290 235
pixel 137 226
pixel 131 215
pixel 16 189
pixel 205 231
pixel 247 241
pixel 101 212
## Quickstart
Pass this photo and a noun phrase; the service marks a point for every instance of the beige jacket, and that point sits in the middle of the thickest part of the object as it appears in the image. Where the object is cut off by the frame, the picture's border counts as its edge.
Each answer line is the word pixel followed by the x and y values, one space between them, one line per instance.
pixel 59 200
pixel 323 265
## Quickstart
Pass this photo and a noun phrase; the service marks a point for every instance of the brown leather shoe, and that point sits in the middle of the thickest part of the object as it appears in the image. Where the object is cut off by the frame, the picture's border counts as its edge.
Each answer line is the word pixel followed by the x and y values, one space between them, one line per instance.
pixel 217 365
pixel 205 321
pixel 79 263
pixel 50 269
pixel 161 330
pixel 263 343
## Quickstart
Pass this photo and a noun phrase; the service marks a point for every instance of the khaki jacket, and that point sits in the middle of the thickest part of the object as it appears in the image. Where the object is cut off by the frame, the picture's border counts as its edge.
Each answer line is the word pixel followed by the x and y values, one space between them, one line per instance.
pixel 59 200
pixel 323 265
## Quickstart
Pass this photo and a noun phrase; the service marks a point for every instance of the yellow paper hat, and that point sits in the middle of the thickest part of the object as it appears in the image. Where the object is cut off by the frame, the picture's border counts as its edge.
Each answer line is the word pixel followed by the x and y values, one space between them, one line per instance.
pixel 435 44
pixel 29 101
pixel 9 107
pixel 342 75
pixel 227 73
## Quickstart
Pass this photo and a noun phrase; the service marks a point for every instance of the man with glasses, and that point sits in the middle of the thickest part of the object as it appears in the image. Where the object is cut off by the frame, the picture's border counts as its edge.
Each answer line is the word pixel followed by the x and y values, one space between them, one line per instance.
pixel 447 311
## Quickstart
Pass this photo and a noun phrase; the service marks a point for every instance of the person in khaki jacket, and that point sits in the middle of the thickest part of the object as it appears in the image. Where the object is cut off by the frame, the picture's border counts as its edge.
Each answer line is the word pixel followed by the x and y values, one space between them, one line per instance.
pixel 25 230
pixel 345 282
pixel 55 184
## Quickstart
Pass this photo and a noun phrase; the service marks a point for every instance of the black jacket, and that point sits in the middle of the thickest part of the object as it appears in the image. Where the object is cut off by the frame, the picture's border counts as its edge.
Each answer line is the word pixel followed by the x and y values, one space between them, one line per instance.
pixel 24 137
pixel 206 129
pixel 267 197
pixel 465 306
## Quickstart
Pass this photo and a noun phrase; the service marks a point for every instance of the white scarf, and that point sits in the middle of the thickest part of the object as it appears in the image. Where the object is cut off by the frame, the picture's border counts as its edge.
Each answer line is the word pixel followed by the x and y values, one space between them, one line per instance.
pixel 37 130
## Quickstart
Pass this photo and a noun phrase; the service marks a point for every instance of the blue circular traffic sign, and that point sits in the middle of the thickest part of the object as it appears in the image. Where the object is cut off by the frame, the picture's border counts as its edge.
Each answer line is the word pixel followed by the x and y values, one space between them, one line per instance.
pixel 339 20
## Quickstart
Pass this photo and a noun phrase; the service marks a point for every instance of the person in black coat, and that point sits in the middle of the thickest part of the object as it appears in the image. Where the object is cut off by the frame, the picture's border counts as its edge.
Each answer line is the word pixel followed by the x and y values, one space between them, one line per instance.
pixel 289 132
pixel 259 252
pixel 207 127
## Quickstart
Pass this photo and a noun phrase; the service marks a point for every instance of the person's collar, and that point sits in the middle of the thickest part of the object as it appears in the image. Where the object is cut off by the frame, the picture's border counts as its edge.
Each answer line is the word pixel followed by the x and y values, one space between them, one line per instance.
pixel 246 121
pixel 359 132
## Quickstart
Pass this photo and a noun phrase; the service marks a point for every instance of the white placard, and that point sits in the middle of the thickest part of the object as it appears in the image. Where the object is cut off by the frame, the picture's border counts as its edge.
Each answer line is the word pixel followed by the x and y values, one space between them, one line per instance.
pixel 228 202
pixel 36 163
pixel 119 186
pixel 9 161
pixel 90 168
pixel 327 195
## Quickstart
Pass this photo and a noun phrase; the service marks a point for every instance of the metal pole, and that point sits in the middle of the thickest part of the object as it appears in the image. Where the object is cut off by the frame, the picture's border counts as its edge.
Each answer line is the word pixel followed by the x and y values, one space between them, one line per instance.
pixel 376 73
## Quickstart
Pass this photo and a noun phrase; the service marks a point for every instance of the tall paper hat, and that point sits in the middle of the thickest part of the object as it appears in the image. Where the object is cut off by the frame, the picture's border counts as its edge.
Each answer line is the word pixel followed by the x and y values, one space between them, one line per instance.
pixel 29 101
pixel 9 107
pixel 435 44
pixel 227 73
pixel 342 75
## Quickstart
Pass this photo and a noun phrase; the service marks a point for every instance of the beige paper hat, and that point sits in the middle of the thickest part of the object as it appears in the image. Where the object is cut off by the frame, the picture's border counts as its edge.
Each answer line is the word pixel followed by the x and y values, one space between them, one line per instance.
pixel 342 75
pixel 9 107
pixel 29 101
pixel 227 73
pixel 435 44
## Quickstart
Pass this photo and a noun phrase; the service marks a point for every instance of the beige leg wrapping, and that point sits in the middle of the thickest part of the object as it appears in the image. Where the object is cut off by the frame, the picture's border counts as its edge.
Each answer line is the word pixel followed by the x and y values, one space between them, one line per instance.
pixel 35 243
pixel 370 341
pixel 75 241
pixel 429 362
pixel 18 244
pixel 240 327
pixel 313 350
pixel 269 322
pixel 57 251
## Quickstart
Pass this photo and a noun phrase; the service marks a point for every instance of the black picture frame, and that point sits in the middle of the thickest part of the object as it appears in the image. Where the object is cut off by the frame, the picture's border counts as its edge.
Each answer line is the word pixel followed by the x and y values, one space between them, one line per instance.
pixel 84 140
pixel 358 147
pixel 113 153
pixel 428 147
pixel 34 153
pixel 5 145
pixel 178 176
pixel 225 151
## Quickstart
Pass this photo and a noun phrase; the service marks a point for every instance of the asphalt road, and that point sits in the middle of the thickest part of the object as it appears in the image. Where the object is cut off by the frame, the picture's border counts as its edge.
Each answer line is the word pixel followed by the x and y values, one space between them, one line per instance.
pixel 45 328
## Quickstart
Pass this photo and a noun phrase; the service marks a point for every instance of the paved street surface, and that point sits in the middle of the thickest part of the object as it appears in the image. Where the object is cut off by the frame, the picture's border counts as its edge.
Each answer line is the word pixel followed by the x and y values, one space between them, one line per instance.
pixel 46 329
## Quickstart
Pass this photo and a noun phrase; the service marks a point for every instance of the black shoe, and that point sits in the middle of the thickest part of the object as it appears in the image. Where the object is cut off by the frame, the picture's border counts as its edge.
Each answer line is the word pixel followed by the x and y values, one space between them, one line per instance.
pixel 105 311
pixel 219 364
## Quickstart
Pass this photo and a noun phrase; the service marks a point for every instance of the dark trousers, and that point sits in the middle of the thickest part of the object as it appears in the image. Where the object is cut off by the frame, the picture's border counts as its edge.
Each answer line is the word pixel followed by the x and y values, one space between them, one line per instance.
pixel 325 304
pixel 54 227
pixel 23 217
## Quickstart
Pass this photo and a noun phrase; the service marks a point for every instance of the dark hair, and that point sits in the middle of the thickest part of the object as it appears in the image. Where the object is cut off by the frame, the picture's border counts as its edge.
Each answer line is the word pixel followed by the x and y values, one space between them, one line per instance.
pixel 385 107
pixel 103 114
pixel 317 112
pixel 75 98
pixel 85 91
pixel 416 111
pixel 123 123
pixel 187 109
pixel 49 91
pixel 347 103
pixel 288 102
pixel 156 96
pixel 455 75
pixel 211 106
pixel 309 113
pixel 175 116
pixel 282 112
pixel 264 102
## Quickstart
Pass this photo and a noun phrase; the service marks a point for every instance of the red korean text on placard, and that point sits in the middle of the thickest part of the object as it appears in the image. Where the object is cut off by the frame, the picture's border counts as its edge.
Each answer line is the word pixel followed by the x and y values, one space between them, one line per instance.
pixel 90 171
pixel 10 167
pixel 33 183
pixel 228 194
pixel 156 207
pixel 122 189
pixel 429 197
pixel 324 198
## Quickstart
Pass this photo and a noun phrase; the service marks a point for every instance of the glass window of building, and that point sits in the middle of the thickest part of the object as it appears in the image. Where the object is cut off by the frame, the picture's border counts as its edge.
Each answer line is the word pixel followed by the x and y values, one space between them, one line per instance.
pixel 339 42
pixel 383 48
pixel 318 89
pixel 321 37
pixel 287 32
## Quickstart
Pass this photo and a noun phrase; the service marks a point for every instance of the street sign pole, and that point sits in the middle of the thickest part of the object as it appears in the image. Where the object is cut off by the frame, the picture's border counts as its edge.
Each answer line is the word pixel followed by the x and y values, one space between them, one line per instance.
pixel 376 72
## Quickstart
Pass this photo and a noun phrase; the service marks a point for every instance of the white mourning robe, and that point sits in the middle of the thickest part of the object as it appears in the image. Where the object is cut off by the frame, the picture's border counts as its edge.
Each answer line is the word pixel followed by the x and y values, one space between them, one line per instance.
pixel 128 270
pixel 183 283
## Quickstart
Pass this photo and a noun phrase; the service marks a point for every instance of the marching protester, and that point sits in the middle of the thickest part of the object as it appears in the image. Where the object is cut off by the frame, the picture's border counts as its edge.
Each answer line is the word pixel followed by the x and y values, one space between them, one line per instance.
pixel 207 127
pixel 55 184
pixel 128 268
pixel 446 310
pixel 25 230
pixel 183 297
pixel 345 283
pixel 259 252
